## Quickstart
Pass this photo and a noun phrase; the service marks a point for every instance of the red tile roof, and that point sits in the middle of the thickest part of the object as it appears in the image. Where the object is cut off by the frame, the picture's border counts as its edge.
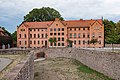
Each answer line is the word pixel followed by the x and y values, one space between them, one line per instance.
pixel 69 23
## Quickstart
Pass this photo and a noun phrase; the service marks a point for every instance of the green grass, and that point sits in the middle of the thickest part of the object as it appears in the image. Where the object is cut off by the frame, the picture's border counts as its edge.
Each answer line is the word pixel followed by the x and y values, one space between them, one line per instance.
pixel 87 70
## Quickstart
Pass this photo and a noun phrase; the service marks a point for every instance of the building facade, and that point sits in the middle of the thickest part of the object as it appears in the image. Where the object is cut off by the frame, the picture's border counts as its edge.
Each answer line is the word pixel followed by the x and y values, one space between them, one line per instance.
pixel 5 40
pixel 80 32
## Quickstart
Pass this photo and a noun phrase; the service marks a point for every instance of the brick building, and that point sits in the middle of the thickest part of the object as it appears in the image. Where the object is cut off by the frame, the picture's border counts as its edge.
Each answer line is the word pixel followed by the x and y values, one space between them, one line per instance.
pixel 37 34
pixel 5 40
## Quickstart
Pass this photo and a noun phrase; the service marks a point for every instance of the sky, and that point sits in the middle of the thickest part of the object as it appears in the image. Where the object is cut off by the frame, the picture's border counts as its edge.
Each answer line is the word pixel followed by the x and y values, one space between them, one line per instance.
pixel 12 12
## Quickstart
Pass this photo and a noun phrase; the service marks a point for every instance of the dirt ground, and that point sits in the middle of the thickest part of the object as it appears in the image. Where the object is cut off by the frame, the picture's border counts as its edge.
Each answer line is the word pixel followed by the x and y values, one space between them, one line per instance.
pixel 62 69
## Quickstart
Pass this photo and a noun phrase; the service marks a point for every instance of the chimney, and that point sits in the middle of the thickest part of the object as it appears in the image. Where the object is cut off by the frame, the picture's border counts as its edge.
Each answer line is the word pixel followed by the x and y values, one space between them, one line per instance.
pixel 81 19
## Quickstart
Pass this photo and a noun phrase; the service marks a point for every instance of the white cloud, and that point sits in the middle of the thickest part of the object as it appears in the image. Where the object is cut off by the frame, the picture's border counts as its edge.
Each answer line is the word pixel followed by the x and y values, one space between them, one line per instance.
pixel 86 9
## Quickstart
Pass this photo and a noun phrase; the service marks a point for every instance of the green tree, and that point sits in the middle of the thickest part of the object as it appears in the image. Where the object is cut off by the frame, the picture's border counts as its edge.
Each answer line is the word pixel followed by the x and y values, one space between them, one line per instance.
pixel 108 26
pixel 52 40
pixel 69 42
pixel 113 37
pixel 42 14
pixel 93 41
pixel 14 36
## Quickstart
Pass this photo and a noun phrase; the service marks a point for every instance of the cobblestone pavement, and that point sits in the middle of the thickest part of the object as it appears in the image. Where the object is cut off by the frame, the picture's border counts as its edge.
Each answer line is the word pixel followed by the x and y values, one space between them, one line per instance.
pixel 4 62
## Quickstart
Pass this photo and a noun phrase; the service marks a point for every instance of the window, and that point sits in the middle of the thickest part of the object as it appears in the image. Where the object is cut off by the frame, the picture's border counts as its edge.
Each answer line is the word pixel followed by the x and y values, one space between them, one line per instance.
pixel 79 35
pixel 70 35
pixel 88 35
pixel 51 34
pixel 79 29
pixel 38 29
pixel 34 29
pixel 58 29
pixel 75 29
pixel 54 44
pixel 45 35
pixel 83 35
pixel 42 42
pixel 56 24
pixel 20 42
pixel 70 29
pixel 22 29
pixel 34 35
pixel 30 42
pixel 30 35
pixel 58 39
pixel 38 42
pixel 83 41
pixel 20 35
pixel 54 33
pixel 62 44
pixel 25 42
pixel 50 29
pixel 88 28
pixel 54 29
pixel 58 33
pixel 50 44
pixel 62 33
pixel 62 29
pixel 34 42
pixel 62 39
pixel 74 35
pixel 88 42
pixel 100 34
pixel 42 35
pixel 38 35
pixel 79 42
pixel 83 28
pixel 99 41
pixel 75 42
pixel 58 44
pixel 93 35
pixel 30 29
pixel 42 30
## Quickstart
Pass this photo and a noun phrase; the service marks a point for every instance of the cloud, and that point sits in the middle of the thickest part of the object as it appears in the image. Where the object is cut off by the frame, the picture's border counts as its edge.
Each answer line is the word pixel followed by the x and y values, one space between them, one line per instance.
pixel 12 11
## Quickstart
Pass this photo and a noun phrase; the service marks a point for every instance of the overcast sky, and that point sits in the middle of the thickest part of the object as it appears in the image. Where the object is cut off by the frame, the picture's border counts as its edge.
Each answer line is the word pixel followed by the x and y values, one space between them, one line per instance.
pixel 13 11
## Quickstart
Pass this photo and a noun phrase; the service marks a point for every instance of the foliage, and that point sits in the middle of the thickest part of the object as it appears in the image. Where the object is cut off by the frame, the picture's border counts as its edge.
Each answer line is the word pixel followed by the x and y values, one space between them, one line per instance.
pixel 112 32
pixel 52 40
pixel 69 42
pixel 6 39
pixel 87 70
pixel 42 14
pixel 93 41
pixel 14 36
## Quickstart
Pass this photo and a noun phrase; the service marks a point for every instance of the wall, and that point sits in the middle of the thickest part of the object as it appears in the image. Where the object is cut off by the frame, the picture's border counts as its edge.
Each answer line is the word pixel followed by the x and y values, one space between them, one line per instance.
pixel 104 62
pixel 115 45
pixel 24 70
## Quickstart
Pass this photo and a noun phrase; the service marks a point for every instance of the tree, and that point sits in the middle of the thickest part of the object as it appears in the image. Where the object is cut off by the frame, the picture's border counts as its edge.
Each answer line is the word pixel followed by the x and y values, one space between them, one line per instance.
pixel 14 37
pixel 113 37
pixel 69 42
pixel 42 14
pixel 52 40
pixel 108 26
pixel 93 41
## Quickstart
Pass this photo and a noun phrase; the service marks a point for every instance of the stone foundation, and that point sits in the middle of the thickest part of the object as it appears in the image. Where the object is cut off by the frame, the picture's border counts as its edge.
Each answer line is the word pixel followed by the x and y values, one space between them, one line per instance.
pixel 24 70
